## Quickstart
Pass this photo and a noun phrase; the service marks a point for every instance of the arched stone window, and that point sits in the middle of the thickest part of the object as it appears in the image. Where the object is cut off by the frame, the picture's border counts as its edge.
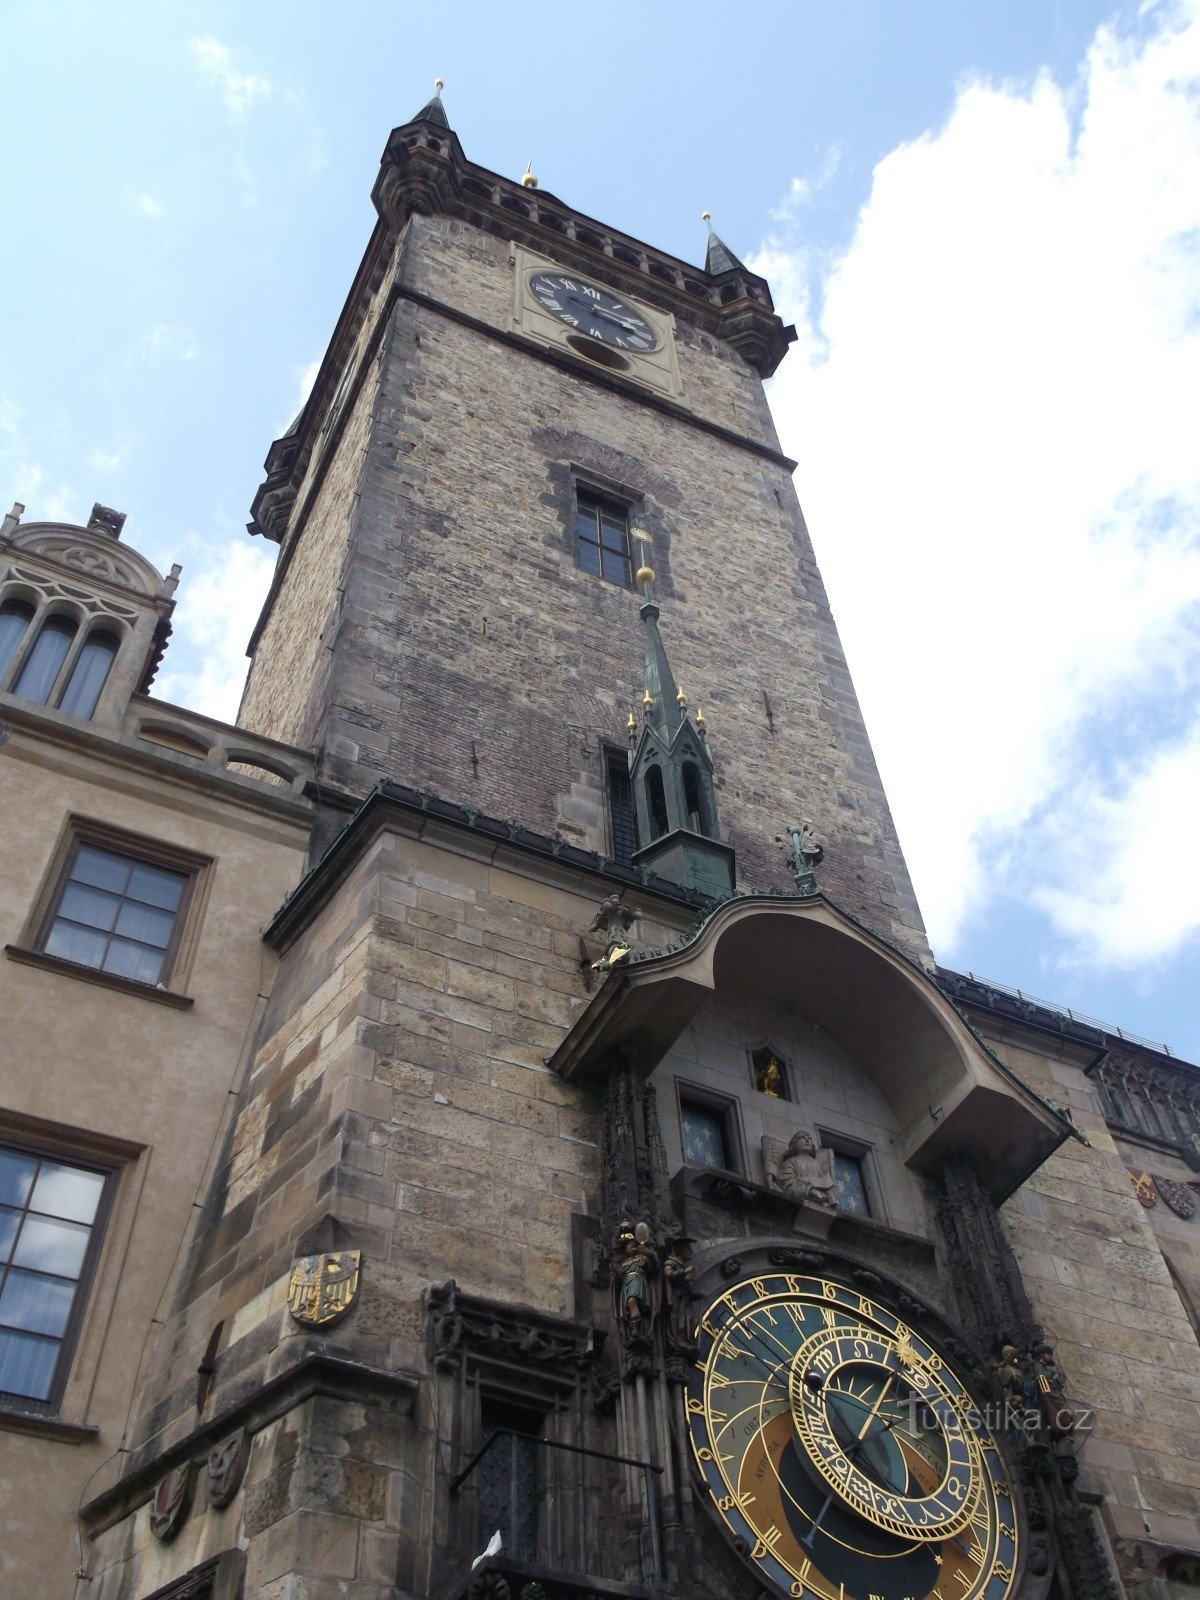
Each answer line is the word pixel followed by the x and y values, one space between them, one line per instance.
pixel 656 802
pixel 90 673
pixel 15 617
pixel 44 662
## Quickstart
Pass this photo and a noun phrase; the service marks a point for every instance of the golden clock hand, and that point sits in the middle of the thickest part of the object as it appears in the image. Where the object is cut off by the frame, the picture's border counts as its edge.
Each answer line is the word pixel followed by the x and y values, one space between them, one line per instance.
pixel 875 1408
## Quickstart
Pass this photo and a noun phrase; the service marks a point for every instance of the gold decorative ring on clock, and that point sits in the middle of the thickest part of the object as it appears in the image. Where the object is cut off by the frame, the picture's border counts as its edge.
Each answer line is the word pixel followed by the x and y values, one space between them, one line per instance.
pixel 850 1386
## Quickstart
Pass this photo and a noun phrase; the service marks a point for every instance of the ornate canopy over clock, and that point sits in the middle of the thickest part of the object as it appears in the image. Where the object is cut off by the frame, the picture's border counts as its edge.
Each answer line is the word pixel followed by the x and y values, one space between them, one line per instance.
pixel 558 306
pixel 841 1450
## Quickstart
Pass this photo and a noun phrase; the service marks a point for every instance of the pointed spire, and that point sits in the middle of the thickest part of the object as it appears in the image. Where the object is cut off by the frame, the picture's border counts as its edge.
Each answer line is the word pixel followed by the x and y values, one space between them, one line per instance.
pixel 664 710
pixel 719 258
pixel 435 111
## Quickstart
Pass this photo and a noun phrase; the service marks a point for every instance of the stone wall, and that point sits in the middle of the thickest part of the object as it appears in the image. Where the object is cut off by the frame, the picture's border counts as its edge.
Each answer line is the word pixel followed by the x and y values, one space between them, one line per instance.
pixel 473 656
pixel 1099 1284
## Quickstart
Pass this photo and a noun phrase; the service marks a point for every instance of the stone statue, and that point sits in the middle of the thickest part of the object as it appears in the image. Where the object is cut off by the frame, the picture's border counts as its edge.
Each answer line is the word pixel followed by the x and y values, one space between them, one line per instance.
pixel 680 1317
pixel 634 1263
pixel 806 1173
pixel 769 1078
pixel 614 920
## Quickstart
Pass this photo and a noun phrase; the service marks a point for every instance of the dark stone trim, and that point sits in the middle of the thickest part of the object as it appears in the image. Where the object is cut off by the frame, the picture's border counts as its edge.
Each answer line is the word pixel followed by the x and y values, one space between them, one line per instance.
pixel 219 1578
pixel 317 1372
pixel 14 1418
pixel 500 1576
pixel 389 799
pixel 595 374
pixel 106 980
pixel 974 992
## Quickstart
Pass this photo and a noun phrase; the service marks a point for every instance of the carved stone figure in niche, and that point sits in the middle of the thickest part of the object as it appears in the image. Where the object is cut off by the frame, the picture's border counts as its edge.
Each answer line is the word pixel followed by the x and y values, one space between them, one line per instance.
pixel 679 1325
pixel 1057 1415
pixel 614 920
pixel 806 1173
pixel 634 1262
pixel 226 1467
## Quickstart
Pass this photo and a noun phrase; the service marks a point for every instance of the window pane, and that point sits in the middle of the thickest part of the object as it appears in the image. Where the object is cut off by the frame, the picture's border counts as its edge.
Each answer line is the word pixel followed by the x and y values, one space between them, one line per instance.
pixel 616 568
pixel 101 868
pixel 73 943
pixel 612 534
pixel 849 1189
pixel 95 908
pixel 27 1364
pixel 37 1304
pixel 146 923
pixel 89 674
pixel 704 1142
pixel 15 617
pixel 156 886
pixel 587 522
pixel 16 1175
pixel 67 1192
pixel 44 660
pixel 589 557
pixel 138 961
pixel 8 1231
pixel 52 1246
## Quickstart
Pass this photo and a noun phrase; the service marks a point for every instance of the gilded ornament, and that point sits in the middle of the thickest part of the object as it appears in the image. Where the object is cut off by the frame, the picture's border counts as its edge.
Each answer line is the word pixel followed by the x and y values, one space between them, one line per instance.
pixel 1143 1186
pixel 322 1289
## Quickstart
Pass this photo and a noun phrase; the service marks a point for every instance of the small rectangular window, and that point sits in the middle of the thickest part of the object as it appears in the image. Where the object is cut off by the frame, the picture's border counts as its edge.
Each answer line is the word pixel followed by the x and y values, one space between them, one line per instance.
pixel 119 905
pixel 117 914
pixel 706 1135
pixel 622 814
pixel 602 537
pixel 49 1210
pixel 850 1188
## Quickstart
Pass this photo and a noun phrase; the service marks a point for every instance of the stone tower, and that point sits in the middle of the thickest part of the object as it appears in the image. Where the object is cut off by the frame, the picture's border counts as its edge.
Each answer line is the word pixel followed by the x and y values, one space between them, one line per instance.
pixel 612 1204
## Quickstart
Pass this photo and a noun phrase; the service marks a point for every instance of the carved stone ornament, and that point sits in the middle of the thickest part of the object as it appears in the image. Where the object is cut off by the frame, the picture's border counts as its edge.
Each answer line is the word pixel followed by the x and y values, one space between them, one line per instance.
pixel 226 1468
pixel 1178 1196
pixel 806 1172
pixel 322 1289
pixel 1143 1187
pixel 169 1505
pixel 460 1322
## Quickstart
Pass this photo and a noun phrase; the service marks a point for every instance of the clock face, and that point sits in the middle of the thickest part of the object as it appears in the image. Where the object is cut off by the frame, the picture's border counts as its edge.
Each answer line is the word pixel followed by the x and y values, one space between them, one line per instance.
pixel 592 311
pixel 842 1452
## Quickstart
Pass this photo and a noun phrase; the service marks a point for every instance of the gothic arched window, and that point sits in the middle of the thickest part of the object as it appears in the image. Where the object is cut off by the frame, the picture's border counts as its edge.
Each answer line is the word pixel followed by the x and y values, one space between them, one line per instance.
pixel 15 617
pixel 44 662
pixel 90 674
pixel 656 802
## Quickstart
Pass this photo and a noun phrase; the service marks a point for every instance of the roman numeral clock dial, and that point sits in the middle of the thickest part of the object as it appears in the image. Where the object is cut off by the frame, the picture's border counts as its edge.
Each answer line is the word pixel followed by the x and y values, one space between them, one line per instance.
pixel 841 1451
pixel 591 311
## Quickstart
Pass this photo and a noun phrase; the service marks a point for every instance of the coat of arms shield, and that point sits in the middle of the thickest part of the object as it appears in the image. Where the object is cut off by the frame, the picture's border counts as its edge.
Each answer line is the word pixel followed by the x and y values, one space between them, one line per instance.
pixel 322 1289
pixel 1143 1186
pixel 1178 1196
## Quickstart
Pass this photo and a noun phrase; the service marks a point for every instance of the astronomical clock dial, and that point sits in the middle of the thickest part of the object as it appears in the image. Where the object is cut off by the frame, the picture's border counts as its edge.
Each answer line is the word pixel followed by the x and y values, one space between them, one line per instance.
pixel 843 1453
pixel 592 311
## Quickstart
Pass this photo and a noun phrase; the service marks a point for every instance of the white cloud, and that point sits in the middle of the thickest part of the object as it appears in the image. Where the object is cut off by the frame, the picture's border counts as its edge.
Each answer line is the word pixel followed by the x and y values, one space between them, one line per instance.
pixel 1111 900
pixel 220 598
pixel 166 342
pixel 149 207
pixel 801 191
pixel 21 477
pixel 993 403
pixel 105 460
pixel 241 91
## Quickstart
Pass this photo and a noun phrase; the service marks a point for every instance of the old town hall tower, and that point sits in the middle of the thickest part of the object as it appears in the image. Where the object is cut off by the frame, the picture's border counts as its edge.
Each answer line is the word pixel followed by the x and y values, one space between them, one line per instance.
pixel 616 1200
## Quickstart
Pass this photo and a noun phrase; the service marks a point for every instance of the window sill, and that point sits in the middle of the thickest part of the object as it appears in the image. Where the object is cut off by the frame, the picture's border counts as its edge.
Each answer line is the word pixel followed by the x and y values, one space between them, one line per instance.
pixel 106 980
pixel 45 1424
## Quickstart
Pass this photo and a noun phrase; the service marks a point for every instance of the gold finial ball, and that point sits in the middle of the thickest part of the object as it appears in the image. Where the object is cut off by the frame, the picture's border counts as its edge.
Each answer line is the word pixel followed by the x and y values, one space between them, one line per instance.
pixel 681 697
pixel 701 719
pixel 529 181
pixel 706 216
pixel 439 84
pixel 644 575
pixel 631 723
pixel 647 699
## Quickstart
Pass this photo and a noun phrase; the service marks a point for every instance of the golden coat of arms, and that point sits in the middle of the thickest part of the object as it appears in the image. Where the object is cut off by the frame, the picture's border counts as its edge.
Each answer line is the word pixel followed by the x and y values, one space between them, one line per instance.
pixel 322 1289
pixel 1143 1186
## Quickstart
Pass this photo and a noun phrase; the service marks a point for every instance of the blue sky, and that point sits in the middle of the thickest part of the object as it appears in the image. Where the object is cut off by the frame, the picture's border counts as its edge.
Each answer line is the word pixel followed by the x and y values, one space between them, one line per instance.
pixel 985 221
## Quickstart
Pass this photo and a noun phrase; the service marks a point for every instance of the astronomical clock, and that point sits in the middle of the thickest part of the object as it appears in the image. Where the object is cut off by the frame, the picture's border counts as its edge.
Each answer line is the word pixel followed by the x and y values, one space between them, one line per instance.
pixel 842 1452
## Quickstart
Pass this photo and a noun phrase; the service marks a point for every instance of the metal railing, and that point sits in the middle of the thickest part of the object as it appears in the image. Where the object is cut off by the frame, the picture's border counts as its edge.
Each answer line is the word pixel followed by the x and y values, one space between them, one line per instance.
pixel 566 1515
